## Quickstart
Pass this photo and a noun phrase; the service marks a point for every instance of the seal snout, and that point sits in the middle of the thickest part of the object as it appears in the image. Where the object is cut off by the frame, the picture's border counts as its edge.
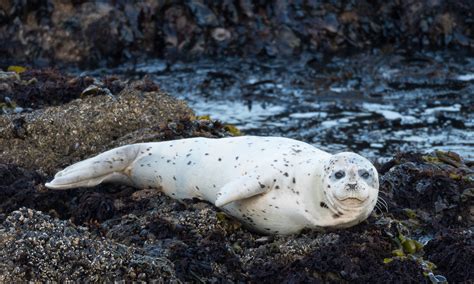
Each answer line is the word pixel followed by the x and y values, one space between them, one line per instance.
pixel 351 187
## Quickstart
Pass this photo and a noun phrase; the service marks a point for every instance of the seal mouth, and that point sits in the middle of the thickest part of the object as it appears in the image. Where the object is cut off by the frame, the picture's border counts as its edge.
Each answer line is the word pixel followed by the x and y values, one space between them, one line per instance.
pixel 352 201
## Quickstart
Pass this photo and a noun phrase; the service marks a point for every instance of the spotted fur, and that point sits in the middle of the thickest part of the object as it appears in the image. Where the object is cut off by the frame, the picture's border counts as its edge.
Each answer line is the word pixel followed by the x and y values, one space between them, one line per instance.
pixel 274 185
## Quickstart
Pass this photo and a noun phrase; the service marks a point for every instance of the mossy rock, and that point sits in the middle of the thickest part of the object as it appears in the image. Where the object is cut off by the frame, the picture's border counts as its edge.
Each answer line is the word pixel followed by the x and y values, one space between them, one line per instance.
pixel 51 138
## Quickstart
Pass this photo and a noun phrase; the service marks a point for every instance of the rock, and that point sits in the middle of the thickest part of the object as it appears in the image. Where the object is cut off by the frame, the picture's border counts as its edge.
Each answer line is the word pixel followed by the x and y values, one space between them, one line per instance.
pixel 221 34
pixel 53 137
pixel 92 33
pixel 203 15
pixel 452 251
pixel 36 247
pixel 141 232
pixel 433 185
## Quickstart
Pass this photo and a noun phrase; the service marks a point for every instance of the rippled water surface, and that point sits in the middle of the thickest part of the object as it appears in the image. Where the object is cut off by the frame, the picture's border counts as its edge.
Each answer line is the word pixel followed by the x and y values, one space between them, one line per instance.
pixel 373 104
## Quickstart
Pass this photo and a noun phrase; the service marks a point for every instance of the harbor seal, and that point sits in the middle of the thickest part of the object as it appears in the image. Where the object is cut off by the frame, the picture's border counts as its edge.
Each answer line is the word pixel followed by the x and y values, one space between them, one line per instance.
pixel 274 185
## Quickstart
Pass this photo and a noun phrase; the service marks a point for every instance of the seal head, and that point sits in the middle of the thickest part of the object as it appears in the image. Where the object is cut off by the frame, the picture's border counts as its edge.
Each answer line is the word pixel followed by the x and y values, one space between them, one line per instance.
pixel 351 185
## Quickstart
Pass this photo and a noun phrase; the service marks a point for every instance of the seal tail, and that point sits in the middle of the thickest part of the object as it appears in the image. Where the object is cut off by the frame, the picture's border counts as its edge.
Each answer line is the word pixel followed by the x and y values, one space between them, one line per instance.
pixel 108 166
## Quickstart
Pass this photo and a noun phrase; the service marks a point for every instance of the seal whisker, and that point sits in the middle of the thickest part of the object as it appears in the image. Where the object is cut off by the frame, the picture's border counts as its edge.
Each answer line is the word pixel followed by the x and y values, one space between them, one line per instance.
pixel 382 203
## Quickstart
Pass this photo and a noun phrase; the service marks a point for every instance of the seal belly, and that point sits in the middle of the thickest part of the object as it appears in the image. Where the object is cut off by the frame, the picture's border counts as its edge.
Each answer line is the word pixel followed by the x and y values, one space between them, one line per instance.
pixel 267 215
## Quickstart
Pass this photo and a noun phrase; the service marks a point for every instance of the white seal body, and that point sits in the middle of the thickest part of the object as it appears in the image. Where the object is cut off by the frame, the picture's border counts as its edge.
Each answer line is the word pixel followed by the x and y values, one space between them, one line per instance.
pixel 274 185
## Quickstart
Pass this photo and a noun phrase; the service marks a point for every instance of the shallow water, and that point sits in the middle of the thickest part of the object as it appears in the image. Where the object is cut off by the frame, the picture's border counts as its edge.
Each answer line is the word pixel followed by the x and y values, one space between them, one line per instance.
pixel 373 104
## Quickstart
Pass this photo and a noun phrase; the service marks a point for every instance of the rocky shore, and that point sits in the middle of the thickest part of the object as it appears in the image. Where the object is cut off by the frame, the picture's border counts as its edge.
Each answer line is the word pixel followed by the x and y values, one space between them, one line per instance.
pixel 422 231
pixel 101 33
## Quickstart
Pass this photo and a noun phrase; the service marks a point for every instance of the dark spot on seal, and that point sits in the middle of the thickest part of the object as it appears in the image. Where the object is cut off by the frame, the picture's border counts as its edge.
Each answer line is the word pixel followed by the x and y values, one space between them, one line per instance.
pixel 262 185
pixel 189 163
pixel 220 159
pixel 149 154
pixel 207 154
pixel 286 174
pixel 142 165
pixel 197 187
pixel 329 186
pixel 274 180
pixel 174 177
pixel 324 205
pixel 168 161
pixel 187 155
pixel 277 187
pixel 335 216
pixel 294 180
pixel 237 157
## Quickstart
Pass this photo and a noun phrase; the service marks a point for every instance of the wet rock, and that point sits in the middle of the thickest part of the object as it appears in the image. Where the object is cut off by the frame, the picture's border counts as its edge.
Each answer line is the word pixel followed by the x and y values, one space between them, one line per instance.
pixel 38 88
pixel 91 33
pixel 288 42
pixel 331 24
pixel 20 187
pixel 431 185
pixel 343 259
pixel 452 251
pixel 36 247
pixel 203 15
pixel 221 34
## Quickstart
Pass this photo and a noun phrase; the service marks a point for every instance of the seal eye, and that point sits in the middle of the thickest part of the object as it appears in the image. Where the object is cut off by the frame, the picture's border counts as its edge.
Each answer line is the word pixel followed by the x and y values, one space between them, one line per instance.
pixel 365 175
pixel 339 174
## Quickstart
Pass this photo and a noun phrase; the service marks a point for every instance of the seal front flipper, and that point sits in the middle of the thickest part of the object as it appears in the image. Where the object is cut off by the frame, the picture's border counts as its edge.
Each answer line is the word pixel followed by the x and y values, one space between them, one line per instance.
pixel 242 188
pixel 108 166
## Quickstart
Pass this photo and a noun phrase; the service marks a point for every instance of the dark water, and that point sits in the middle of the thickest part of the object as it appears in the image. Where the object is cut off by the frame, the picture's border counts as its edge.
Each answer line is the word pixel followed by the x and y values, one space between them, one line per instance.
pixel 372 104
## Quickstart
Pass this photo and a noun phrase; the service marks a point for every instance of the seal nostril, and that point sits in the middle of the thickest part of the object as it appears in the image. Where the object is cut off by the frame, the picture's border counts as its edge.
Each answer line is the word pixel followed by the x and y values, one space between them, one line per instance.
pixel 351 186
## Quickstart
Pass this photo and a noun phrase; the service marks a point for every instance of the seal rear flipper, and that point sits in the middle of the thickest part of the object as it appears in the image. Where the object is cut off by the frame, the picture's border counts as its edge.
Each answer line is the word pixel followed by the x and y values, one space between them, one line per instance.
pixel 108 166
pixel 241 188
